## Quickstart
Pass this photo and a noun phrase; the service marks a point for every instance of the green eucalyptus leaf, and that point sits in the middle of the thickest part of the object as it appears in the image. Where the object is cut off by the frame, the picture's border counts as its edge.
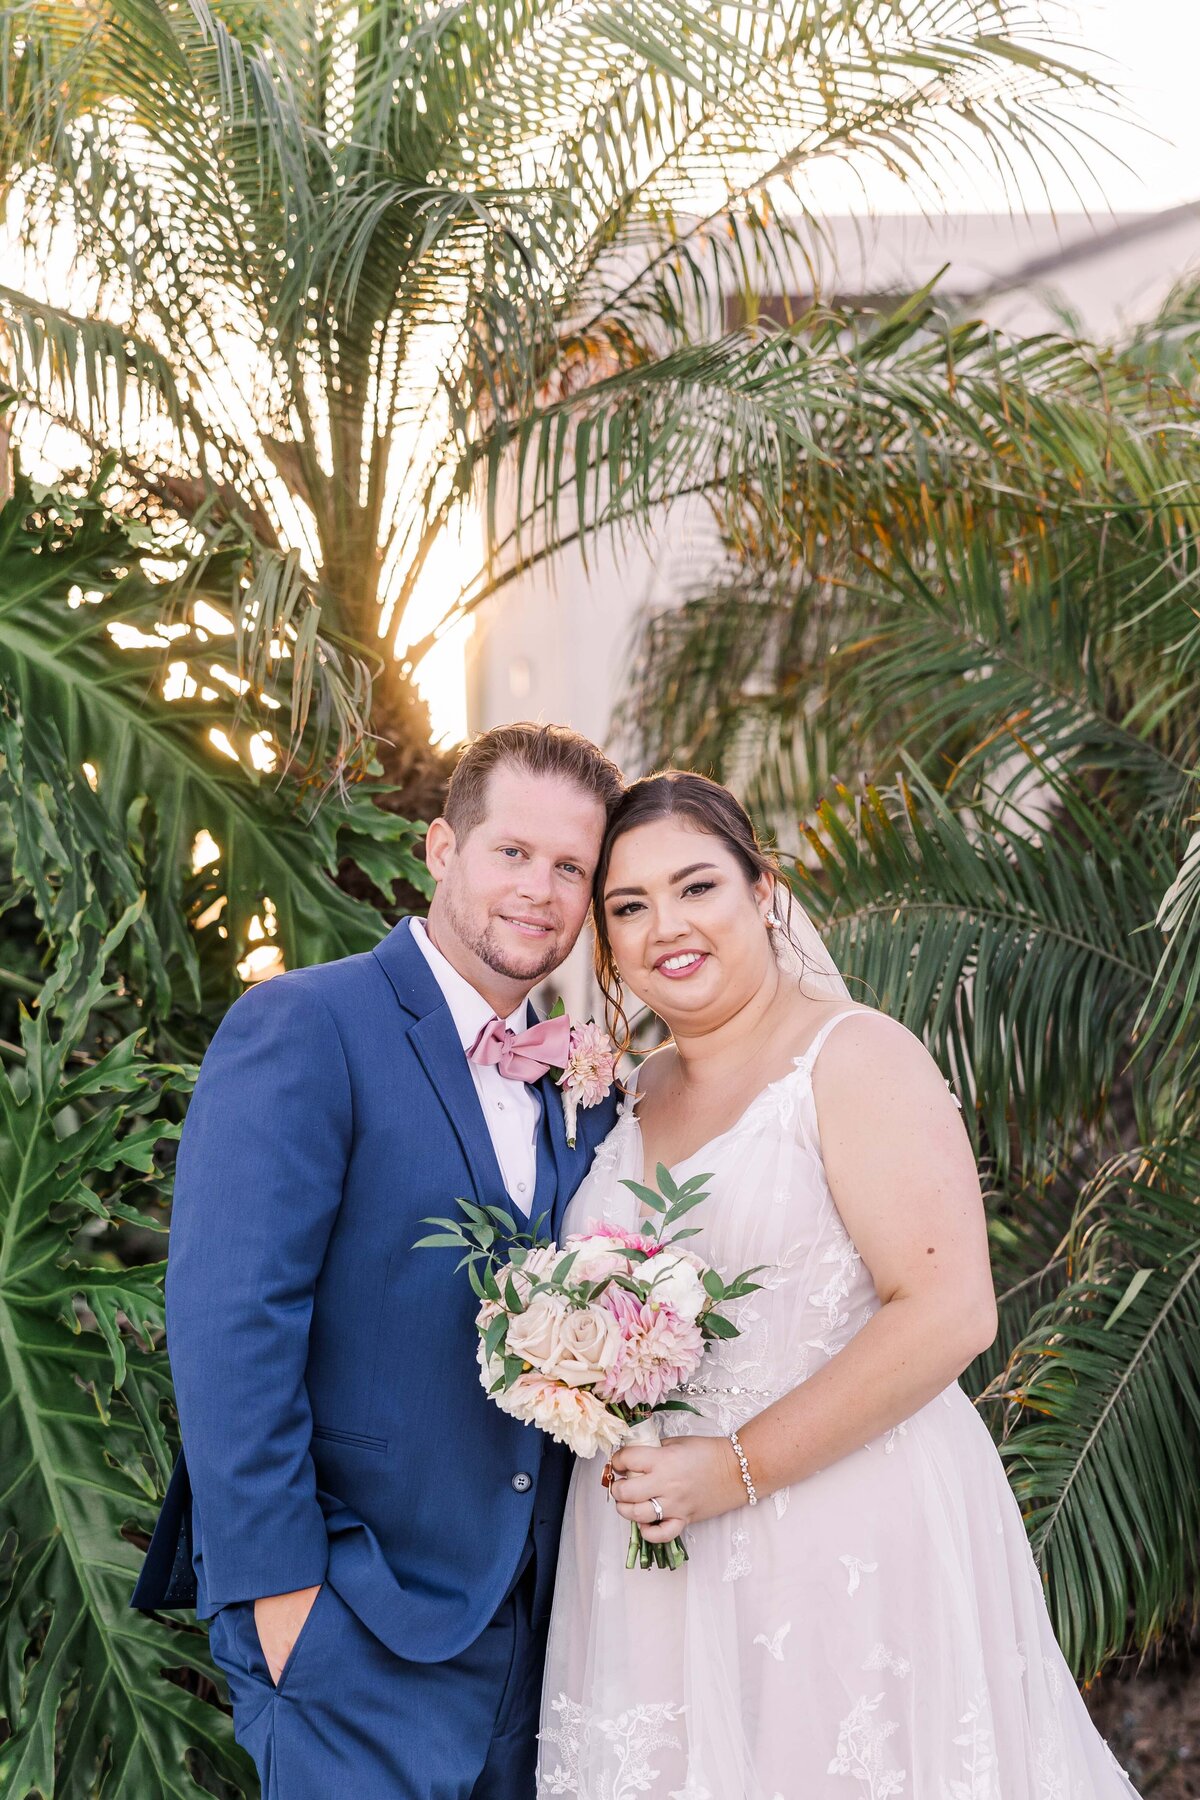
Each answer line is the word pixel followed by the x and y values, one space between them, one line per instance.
pixel 646 1195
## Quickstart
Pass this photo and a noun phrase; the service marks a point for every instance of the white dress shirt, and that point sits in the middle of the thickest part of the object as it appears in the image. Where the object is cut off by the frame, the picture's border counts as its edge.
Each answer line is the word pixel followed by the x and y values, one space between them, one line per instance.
pixel 512 1109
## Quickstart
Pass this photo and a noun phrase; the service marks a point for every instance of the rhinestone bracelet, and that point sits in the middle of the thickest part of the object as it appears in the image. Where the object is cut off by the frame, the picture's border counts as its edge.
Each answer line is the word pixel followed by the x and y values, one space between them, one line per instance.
pixel 741 1456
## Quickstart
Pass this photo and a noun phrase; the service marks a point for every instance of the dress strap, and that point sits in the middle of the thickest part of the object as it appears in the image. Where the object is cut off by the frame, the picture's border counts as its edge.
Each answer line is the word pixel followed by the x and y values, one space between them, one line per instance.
pixel 810 1055
pixel 631 1094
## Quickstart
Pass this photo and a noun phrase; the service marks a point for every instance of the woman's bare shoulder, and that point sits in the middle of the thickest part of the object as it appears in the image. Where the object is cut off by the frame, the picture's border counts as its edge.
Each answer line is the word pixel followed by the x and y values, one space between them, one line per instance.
pixel 873 1045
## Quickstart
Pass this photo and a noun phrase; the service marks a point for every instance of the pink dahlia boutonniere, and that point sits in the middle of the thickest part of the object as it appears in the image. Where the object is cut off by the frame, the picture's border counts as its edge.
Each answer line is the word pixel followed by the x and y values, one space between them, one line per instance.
pixel 588 1076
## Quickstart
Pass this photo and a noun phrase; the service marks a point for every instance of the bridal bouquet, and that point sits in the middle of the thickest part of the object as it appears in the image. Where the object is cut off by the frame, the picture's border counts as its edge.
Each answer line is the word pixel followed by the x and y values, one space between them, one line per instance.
pixel 589 1340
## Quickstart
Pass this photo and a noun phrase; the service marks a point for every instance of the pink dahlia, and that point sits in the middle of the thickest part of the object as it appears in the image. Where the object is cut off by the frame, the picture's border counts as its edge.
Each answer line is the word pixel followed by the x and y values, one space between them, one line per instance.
pixel 659 1350
pixel 588 1076
pixel 590 1065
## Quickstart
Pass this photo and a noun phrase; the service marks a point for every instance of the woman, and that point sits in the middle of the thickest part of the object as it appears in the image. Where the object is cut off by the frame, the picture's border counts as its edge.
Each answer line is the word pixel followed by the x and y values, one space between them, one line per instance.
pixel 861 1613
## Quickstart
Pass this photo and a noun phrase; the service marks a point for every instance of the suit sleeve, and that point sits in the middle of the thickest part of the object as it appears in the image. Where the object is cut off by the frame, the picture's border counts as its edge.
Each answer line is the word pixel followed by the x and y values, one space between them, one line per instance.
pixel 259 1176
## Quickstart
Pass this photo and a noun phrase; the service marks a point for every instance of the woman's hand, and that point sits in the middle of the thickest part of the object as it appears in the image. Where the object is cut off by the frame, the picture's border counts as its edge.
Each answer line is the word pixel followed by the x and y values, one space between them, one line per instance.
pixel 692 1478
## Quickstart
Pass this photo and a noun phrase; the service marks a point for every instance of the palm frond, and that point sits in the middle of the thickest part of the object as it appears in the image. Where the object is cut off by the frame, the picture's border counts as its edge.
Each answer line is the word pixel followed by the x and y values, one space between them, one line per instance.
pixel 1104 1401
pixel 987 644
pixel 1017 954
pixel 103 374
pixel 1177 978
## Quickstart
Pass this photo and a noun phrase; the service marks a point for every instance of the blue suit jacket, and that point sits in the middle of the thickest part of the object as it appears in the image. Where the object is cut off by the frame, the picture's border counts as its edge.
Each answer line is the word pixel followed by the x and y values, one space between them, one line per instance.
pixel 334 1424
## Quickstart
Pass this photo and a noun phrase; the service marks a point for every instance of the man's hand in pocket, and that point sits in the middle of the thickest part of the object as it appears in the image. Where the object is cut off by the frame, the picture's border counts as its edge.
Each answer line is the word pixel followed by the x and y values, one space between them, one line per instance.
pixel 278 1619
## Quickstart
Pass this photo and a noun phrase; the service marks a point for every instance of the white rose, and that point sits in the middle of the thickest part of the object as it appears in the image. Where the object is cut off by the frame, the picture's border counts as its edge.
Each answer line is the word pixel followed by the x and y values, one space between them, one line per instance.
pixel 586 1345
pixel 538 1265
pixel 533 1335
pixel 596 1258
pixel 491 1368
pixel 675 1283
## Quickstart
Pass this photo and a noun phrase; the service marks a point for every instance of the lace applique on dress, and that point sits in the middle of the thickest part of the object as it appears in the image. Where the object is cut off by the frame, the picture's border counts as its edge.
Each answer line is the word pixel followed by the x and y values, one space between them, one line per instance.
pixel 606 1158
pixel 856 1568
pixel 1053 1680
pixel 773 1645
pixel 609 1151
pixel 861 1751
pixel 980 1776
pixel 739 1556
pixel 692 1790
pixel 626 1741
pixel 1049 1774
pixel 880 1657
pixel 828 1299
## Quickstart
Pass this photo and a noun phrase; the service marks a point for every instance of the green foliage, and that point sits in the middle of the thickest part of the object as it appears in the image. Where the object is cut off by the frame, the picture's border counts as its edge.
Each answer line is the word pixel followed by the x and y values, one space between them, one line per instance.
pixel 82 1387
pixel 72 570
pixel 120 986
pixel 1106 1387
pixel 1021 959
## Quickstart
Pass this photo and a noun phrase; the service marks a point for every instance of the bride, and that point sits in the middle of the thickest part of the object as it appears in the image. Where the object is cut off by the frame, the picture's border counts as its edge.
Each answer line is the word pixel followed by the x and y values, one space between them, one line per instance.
pixel 861 1614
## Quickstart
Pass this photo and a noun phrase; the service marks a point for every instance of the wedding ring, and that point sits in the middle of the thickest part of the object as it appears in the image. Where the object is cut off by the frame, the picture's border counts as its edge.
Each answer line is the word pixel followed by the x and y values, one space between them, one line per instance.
pixel 658 1511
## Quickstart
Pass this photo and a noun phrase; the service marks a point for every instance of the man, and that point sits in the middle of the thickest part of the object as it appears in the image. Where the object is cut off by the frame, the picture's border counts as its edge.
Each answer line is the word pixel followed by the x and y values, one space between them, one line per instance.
pixel 371 1538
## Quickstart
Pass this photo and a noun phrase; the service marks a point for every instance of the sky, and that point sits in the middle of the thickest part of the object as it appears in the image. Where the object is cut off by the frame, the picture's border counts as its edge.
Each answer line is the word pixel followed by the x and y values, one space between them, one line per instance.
pixel 1146 160
pixel 1152 49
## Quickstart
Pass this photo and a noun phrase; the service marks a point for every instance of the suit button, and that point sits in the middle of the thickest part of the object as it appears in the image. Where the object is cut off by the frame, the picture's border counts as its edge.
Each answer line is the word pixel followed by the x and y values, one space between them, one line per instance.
pixel 522 1482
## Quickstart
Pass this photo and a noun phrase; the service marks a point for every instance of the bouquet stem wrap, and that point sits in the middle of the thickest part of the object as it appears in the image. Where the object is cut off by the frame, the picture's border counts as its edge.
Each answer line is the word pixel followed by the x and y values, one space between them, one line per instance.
pixel 641 1554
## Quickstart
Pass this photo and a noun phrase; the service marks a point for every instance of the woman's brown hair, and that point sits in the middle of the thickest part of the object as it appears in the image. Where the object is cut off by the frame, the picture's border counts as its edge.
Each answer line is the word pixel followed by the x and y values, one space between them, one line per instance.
pixel 675 794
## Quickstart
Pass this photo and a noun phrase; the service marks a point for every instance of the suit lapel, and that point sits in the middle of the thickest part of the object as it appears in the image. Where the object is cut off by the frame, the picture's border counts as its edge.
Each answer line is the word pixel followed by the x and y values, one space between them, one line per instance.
pixel 435 1040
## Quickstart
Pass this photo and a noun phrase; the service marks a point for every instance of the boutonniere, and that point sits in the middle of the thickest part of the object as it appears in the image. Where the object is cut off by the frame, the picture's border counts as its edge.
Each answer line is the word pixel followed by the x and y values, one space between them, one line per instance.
pixel 589 1072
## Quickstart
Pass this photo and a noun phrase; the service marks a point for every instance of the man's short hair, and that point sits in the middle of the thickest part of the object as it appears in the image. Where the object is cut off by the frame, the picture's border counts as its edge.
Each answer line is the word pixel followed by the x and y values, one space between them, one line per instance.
pixel 538 750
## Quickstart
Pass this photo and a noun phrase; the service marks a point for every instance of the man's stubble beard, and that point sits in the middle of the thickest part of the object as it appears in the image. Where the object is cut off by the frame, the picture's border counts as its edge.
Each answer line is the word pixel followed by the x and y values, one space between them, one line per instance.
pixel 488 951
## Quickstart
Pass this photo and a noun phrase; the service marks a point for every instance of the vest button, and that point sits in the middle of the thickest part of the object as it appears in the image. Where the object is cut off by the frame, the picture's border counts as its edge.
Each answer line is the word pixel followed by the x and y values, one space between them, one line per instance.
pixel 522 1482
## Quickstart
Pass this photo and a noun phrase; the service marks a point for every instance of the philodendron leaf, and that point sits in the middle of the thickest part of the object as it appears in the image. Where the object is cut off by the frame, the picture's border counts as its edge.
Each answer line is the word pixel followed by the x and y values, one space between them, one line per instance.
pixel 82 1448
pixel 76 700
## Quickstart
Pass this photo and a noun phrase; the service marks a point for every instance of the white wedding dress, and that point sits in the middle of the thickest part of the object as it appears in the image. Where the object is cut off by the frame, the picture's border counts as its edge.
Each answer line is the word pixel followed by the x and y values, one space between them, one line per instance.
pixel 878 1629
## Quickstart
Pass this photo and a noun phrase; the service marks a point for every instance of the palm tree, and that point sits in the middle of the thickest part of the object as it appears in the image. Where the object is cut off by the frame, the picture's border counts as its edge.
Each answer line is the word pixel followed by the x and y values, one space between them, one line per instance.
pixel 1024 891
pixel 347 269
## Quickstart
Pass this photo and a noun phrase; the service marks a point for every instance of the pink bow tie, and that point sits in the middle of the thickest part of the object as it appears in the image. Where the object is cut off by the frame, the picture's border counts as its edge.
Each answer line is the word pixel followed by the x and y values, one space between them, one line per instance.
pixel 523 1055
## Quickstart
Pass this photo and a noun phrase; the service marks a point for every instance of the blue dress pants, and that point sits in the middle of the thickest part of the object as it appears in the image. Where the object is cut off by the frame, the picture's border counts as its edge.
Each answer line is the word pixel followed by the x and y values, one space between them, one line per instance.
pixel 351 1720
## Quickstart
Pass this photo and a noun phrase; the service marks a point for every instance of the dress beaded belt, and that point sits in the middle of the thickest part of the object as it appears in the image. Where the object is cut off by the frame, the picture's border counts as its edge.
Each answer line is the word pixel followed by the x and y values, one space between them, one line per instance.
pixel 752 1393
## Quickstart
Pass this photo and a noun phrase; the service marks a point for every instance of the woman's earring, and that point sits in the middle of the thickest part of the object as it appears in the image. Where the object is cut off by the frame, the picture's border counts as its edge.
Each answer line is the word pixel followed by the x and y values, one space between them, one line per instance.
pixel 772 921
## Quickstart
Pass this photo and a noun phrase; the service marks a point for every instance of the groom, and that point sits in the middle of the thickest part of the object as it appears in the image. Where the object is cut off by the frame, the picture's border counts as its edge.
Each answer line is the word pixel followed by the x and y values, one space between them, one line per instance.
pixel 371 1539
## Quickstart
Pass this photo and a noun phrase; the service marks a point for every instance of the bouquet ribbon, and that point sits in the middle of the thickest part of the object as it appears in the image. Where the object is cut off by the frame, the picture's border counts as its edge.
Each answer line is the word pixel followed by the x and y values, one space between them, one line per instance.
pixel 664 1556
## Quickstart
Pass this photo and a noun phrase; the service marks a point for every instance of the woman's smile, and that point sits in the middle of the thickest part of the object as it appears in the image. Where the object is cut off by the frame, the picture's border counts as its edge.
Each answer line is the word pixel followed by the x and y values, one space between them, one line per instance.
pixel 677 965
